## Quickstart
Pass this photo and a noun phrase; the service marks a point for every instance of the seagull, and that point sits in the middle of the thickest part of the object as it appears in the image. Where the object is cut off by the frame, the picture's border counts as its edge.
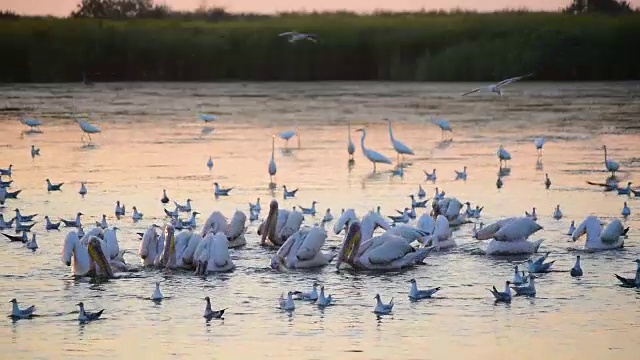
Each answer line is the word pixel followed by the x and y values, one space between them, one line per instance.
pixel 210 163
pixel 23 227
pixel 398 171
pixel 73 223
pixel 184 208
pixel 157 295
pixel 502 296
pixel 404 218
pixel 165 198
pixel 220 191
pixel 418 204
pixel 533 215
pixel 294 36
pixel 539 144
pixel 51 226
pixel 547 181
pixel 518 279
pixel 539 266
pixel 87 129
pixel 171 214
pixel 17 313
pixel 528 290
pixel 322 300
pixel 576 270
pixel 53 187
pixel 382 309
pixel 430 176
pixel 85 317
pixel 572 228
pixel 499 182
pixel 32 244
pixel 210 314
pixel 631 282
pixel 7 172
pixel 421 193
pixel 311 295
pixel 496 88
pixel 22 238
pixel 255 207
pixel 34 151
pixel 309 211
pixel 415 294
pixel 443 124
pixel 625 210
pixel 327 216
pixel 103 223
pixel 557 214
pixel 136 215
pixel 287 304
pixel 6 224
pixel 119 211
pixel 461 175
pixel 83 189
pixel 23 218
pixel 289 194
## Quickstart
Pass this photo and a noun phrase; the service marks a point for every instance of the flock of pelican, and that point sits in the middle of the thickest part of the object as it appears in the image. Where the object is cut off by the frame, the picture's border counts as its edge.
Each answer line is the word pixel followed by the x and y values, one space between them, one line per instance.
pixel 369 242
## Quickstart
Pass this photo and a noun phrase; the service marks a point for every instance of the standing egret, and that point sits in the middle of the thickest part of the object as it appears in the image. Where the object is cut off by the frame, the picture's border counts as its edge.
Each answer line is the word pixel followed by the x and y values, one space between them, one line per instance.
pixel 87 129
pixel 503 155
pixel 539 144
pixel 210 163
pixel 207 117
pixel 272 162
pixel 286 135
pixel 34 124
pixel 612 166
pixel 373 156
pixel 350 147
pixel 443 124
pixel 495 88
pixel 399 147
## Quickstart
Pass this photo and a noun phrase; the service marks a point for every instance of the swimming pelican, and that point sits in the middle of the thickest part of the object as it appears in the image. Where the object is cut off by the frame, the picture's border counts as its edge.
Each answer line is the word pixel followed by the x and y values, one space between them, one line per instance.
pixel 136 215
pixel 611 166
pixel 611 237
pixel 220 191
pixel 157 294
pixel 303 250
pixel 415 294
pixel 502 296
pixel 294 36
pixel 210 163
pixel 631 282
pixel 279 225
pixel 53 187
pixel 503 155
pixel 17 313
pixel 164 199
pixel 421 193
pixel 443 124
pixel 440 234
pixel 212 254
pixel 547 181
pixel 288 194
pixel 496 88
pixel 382 309
pixel 399 147
pixel 625 210
pixel 234 229
pixel 287 304
pixel 576 270
pixel 272 162
pixel 34 151
pixel 322 300
pixel 83 189
pixel 461 175
pixel 151 246
pixel 286 135
pixel 526 290
pixel 351 148
pixel 451 209
pixel 311 295
pixel 85 316
pixel 87 129
pixel 539 142
pixel 371 155
pixel 557 214
pixel 510 236
pixel 211 314
pixel 87 256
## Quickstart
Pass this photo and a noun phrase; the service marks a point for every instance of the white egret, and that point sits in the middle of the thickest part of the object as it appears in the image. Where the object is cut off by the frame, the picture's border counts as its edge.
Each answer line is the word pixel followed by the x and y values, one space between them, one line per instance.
pixel 399 147
pixel 351 148
pixel 373 156
pixel 612 166
pixel 503 155
pixel 443 124
pixel 539 144
pixel 34 124
pixel 87 129
pixel 495 88
pixel 286 135
pixel 272 162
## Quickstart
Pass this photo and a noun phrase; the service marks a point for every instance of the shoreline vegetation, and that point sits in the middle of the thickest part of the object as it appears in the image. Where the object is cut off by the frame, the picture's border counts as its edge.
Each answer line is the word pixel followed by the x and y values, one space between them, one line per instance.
pixel 426 46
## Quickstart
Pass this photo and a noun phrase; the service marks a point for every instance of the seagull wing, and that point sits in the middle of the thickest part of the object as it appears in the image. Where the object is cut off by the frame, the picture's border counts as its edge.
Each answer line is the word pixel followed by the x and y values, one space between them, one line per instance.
pixel 288 33
pixel 513 79
pixel 472 91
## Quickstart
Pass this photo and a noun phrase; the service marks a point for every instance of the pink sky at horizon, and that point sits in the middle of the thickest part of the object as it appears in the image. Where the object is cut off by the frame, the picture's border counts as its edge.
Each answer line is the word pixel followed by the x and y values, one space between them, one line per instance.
pixel 64 7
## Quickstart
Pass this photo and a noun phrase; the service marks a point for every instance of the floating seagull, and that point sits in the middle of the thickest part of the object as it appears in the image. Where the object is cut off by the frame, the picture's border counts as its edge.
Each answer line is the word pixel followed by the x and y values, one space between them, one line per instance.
pixel 73 223
pixel 421 193
pixel 518 279
pixel 461 175
pixel 309 211
pixel 576 270
pixel 23 218
pixel 218 191
pixel 17 313
pixel 499 183
pixel 51 226
pixel 539 266
pixel 557 214
pixel 398 146
pixel 287 304
pixel 6 224
pixel 626 190
pixel 539 142
pixel 631 282
pixel 10 195
pixel 255 207
pixel 34 151
pixel 371 155
pixel 119 210
pixel 444 126
pixel 572 228
pixel 404 218
pixel 53 187
pixel 23 227
pixel 382 309
pixel 165 198
pixel 87 129
pixel 7 172
pixel 288 194
pixel 415 294
pixel 184 208
pixel 547 181
pixel 418 204
pixel 496 88
pixel 83 189
pixel 311 295
pixel 327 216
pixel 610 165
pixel 209 313
pixel 625 210
pixel 503 155
pixel 253 216
pixel 32 244
pixel 85 317
pixel 22 238
pixel 502 296
pixel 103 223
pixel 136 215
pixel 157 295
pixel 528 290
pixel 533 215
pixel 172 214
pixel 430 176
pixel 294 36
pixel 322 300
pixel 210 163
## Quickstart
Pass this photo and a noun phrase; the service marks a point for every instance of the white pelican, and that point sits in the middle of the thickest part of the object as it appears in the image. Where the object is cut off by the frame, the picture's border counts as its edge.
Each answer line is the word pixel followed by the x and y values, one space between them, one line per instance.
pixel 503 155
pixel 625 210
pixel 212 254
pixel 539 142
pixel 287 304
pixel 272 162
pixel 496 88
pixel 576 270
pixel 85 316
pixel 302 250
pixel 87 256
pixel 557 214
pixel 610 165
pixel 443 124
pixel 430 176
pixel 210 163
pixel 440 236
pixel 399 147
pixel 34 151
pixel 83 189
pixel 461 175
pixel 234 230
pixel 351 148
pixel 373 156
pixel 177 252
pixel 547 181
pixel 87 129
pixel 384 252
pixel 53 187
pixel 502 296
pixel 157 294
pixel 210 313
pixel 611 237
pixel 509 236
pixel 451 209
pixel 279 225
pixel 294 36
pixel 17 313
pixel 631 282
pixel 382 309
pixel 151 246
pixel 415 294
pixel 286 135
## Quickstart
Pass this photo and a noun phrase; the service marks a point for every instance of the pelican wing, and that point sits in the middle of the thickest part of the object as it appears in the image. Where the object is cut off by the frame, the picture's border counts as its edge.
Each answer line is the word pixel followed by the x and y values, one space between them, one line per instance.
pixel 220 249
pixel 347 216
pixel 236 227
pixel 392 249
pixel 287 33
pixel 612 232
pixel 516 230
pixel 313 242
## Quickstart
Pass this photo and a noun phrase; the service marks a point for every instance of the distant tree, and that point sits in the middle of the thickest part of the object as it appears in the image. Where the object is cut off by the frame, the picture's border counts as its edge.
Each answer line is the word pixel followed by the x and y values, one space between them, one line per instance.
pixel 8 14
pixel 599 6
pixel 113 9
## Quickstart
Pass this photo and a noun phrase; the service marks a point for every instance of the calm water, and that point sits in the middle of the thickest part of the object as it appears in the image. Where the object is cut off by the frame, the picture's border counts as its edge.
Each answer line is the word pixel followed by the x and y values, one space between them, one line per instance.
pixel 151 140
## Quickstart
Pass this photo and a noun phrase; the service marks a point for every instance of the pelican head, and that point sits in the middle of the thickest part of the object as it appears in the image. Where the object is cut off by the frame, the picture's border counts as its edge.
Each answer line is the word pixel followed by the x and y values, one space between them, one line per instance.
pixel 269 228
pixel 169 244
pixel 350 245
pixel 97 255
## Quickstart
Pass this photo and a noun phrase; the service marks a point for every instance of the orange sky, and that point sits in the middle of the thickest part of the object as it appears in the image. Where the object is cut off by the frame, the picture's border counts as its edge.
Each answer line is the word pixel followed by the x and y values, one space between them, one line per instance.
pixel 63 7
